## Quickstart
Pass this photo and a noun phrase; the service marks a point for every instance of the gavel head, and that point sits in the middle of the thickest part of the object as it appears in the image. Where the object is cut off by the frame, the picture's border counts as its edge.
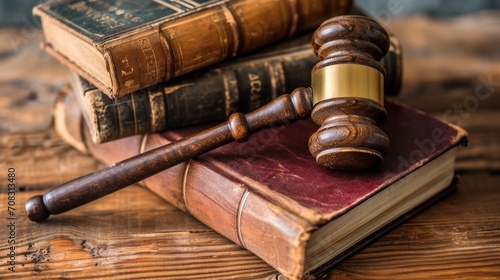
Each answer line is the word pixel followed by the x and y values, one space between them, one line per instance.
pixel 348 91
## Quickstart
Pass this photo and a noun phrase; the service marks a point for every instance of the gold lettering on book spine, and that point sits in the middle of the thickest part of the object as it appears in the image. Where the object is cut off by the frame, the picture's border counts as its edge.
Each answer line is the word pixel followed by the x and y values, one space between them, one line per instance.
pixel 147 67
pixel 255 90
pixel 151 61
pixel 126 66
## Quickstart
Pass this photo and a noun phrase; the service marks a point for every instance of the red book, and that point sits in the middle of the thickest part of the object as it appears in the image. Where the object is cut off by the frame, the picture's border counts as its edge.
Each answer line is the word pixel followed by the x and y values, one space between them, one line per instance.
pixel 271 197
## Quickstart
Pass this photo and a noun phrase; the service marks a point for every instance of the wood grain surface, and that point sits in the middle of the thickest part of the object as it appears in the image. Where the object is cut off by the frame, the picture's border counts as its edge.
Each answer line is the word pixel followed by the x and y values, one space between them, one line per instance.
pixel 134 234
pixel 129 234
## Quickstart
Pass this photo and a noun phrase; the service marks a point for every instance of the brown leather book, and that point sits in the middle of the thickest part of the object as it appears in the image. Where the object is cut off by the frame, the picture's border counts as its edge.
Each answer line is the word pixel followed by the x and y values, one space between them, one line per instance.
pixel 211 95
pixel 208 95
pixel 271 197
pixel 123 46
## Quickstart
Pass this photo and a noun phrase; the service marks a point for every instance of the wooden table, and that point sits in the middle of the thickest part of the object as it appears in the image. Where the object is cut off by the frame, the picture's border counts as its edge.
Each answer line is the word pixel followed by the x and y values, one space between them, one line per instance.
pixel 135 234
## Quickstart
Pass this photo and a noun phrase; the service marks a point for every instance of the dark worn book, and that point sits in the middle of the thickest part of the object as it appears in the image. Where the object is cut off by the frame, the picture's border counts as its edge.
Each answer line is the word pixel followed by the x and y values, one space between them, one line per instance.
pixel 121 46
pixel 210 95
pixel 204 96
pixel 271 197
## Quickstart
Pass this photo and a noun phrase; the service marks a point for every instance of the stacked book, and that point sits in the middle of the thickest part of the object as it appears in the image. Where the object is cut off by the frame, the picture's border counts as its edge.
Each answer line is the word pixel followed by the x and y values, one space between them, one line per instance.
pixel 147 73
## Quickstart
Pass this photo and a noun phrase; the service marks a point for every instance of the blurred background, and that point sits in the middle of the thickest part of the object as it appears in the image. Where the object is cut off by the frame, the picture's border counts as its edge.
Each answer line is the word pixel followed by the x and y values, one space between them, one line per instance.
pixel 19 12
pixel 437 8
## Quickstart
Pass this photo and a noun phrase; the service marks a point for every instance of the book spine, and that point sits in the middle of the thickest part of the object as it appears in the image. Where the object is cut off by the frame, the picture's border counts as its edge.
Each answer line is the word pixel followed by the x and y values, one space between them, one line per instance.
pixel 175 47
pixel 209 193
pixel 212 95
pixel 201 97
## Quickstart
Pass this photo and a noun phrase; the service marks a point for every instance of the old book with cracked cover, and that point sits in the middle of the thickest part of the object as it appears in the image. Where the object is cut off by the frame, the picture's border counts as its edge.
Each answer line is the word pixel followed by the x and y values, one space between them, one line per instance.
pixel 211 94
pixel 123 46
pixel 271 197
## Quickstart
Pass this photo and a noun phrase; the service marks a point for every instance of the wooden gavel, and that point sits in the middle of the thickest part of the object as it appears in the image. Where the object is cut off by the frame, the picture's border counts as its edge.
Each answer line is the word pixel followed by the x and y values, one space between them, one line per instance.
pixel 347 96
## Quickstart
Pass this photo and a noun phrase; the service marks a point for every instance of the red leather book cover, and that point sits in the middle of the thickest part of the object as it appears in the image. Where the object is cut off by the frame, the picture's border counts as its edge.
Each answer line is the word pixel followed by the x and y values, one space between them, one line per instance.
pixel 271 197
pixel 279 160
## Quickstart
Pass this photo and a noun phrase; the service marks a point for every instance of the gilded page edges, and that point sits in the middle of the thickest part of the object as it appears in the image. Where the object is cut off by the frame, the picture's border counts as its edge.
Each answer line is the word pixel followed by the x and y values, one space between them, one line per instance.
pixel 278 79
pixel 461 135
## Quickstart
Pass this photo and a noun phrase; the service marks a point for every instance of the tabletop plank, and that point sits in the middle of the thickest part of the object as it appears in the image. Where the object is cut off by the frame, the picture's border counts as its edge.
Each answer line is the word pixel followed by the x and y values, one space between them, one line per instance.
pixel 43 159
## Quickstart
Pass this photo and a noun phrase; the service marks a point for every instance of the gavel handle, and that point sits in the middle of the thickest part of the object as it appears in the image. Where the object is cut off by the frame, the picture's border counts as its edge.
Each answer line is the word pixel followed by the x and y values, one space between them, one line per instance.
pixel 283 110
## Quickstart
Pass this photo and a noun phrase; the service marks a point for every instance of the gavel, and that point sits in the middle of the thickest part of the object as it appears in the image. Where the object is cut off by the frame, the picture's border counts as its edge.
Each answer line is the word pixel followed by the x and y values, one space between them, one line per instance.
pixel 345 100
